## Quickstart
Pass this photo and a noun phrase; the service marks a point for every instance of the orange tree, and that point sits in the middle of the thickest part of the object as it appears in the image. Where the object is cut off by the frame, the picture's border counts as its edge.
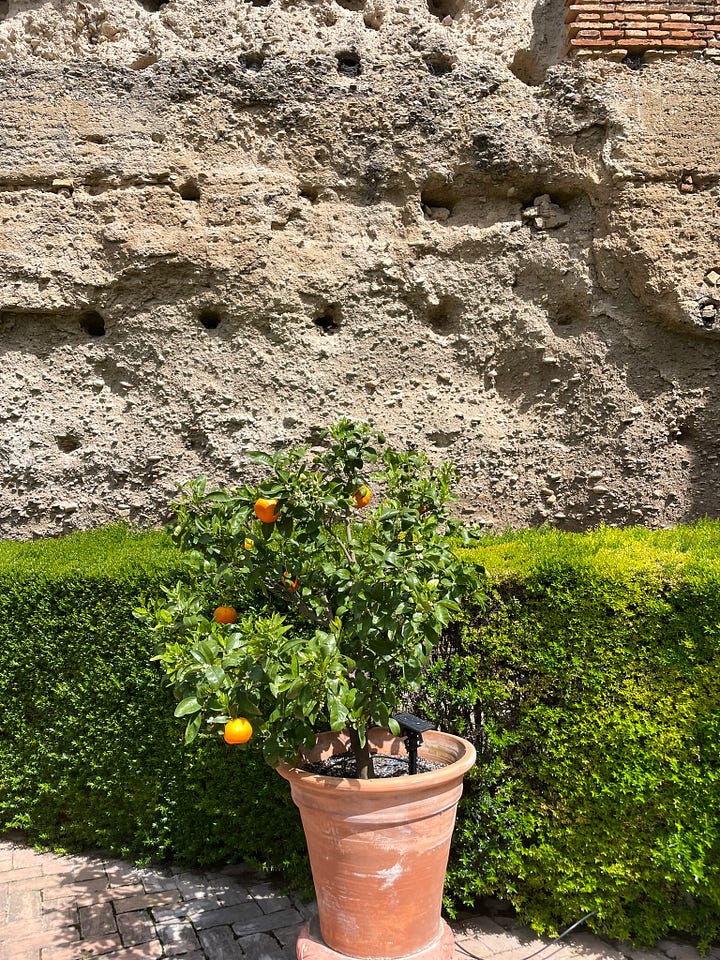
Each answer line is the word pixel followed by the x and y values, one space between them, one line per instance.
pixel 339 602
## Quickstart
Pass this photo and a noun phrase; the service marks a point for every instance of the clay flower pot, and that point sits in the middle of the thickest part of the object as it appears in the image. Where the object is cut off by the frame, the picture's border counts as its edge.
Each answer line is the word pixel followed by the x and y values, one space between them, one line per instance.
pixel 379 851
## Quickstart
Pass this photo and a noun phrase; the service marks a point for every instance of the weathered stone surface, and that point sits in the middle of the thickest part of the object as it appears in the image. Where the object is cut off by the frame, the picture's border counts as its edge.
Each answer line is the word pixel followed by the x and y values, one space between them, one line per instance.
pixel 223 226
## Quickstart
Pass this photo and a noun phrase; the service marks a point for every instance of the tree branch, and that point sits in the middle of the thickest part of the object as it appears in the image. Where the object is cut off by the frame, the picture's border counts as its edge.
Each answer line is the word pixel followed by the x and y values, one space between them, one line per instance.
pixel 304 609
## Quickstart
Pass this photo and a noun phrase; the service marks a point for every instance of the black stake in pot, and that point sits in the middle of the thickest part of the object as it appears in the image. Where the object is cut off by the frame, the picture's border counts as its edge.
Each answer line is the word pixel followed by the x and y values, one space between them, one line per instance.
pixel 412 728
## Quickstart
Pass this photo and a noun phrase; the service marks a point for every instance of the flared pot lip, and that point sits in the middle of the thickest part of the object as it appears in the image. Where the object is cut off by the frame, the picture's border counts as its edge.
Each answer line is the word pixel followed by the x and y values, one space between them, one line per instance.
pixel 459 756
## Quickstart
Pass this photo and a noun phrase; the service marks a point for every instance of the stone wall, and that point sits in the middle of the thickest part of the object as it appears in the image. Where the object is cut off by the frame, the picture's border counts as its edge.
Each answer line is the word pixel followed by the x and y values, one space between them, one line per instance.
pixel 224 225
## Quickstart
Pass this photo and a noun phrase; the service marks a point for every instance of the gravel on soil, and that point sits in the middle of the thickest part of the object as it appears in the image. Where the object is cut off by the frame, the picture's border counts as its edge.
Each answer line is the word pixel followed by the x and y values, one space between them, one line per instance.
pixel 384 766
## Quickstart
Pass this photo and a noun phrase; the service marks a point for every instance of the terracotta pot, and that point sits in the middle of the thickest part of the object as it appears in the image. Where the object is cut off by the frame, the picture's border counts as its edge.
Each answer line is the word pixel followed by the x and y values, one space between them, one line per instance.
pixel 379 850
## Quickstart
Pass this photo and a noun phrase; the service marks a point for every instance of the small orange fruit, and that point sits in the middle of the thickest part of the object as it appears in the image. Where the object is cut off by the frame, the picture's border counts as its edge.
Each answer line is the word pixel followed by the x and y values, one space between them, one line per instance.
pixel 238 730
pixel 362 496
pixel 290 584
pixel 249 544
pixel 265 510
pixel 225 615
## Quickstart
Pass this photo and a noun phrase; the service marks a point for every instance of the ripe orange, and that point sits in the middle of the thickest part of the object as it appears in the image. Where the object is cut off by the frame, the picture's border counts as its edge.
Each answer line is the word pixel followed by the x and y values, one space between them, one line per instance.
pixel 238 730
pixel 290 584
pixel 225 615
pixel 362 496
pixel 265 510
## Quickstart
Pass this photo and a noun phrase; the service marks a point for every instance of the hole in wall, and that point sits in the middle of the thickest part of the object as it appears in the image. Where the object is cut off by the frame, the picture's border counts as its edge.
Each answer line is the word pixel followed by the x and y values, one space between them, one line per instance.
pixel 373 18
pixel 635 61
pixel 4 9
pixel 709 310
pixel 351 4
pixel 189 190
pixel 309 192
pixel 438 65
pixel 152 6
pixel 444 315
pixel 259 3
pixel 437 202
pixel 445 8
pixel 68 442
pixel 92 323
pixel 565 314
pixel 254 61
pixel 348 64
pixel 209 318
pixel 328 321
pixel 195 437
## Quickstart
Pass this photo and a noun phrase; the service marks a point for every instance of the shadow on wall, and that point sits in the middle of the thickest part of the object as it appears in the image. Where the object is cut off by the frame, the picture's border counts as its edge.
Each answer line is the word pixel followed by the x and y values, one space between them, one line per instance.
pixel 547 46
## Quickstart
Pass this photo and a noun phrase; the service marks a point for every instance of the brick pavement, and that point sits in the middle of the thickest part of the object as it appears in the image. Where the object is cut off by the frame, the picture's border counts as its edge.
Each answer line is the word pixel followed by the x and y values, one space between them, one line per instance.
pixel 68 908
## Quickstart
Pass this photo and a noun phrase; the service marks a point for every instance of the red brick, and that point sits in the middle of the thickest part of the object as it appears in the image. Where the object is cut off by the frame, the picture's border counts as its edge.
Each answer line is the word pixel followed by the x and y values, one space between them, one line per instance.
pixel 36 883
pixel 26 873
pixel 644 9
pixel 658 34
pixel 592 44
pixel 148 951
pixel 135 927
pixel 121 874
pixel 589 35
pixel 23 905
pixel 65 890
pixel 90 948
pixel 146 901
pixel 97 920
pixel 109 893
pixel 26 857
pixel 578 13
pixel 684 44
pixel 575 9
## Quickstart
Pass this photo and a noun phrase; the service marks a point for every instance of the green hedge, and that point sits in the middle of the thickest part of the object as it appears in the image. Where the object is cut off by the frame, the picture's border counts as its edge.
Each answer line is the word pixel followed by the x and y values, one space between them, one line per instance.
pixel 590 685
pixel 90 755
pixel 592 688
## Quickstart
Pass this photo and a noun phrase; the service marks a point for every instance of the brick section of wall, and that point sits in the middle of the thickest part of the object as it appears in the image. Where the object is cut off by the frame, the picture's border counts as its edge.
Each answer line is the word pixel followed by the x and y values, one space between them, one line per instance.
pixel 605 27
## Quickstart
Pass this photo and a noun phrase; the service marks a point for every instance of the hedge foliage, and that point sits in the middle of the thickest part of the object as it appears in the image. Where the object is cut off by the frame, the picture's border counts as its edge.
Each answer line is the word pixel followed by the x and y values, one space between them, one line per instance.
pixel 592 690
pixel 590 686
pixel 90 755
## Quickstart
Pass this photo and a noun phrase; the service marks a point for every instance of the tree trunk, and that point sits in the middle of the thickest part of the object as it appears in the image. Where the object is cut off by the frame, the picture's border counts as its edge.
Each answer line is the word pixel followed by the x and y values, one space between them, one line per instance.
pixel 365 769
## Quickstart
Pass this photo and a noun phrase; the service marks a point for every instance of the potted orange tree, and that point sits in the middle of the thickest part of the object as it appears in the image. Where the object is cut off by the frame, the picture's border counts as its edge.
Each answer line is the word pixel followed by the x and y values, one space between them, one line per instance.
pixel 315 606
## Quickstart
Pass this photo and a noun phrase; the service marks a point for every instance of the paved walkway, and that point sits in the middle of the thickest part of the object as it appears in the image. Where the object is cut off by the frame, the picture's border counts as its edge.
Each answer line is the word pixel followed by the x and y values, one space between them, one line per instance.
pixel 67 908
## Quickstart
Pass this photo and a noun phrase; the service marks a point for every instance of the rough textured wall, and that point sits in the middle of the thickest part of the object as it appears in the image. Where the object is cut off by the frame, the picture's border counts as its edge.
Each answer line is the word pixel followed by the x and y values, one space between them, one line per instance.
pixel 223 225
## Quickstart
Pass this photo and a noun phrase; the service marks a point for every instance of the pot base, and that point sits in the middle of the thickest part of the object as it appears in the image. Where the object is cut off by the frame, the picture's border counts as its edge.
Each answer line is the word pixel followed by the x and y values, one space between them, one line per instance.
pixel 311 946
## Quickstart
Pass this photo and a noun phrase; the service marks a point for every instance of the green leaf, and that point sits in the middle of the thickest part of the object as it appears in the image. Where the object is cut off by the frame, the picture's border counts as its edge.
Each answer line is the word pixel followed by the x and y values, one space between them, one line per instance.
pixel 192 728
pixel 186 706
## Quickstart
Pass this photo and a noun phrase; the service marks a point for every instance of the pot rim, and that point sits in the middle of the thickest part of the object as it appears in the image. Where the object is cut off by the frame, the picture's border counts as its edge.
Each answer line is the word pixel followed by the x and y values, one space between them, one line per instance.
pixel 464 756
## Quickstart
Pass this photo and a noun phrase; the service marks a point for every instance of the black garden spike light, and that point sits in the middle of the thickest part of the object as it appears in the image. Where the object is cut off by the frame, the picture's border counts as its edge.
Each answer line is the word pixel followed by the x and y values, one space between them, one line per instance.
pixel 412 728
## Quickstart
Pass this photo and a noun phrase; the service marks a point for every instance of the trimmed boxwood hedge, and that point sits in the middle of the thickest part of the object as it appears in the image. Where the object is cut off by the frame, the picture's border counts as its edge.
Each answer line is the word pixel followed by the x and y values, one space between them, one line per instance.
pixel 90 755
pixel 590 685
